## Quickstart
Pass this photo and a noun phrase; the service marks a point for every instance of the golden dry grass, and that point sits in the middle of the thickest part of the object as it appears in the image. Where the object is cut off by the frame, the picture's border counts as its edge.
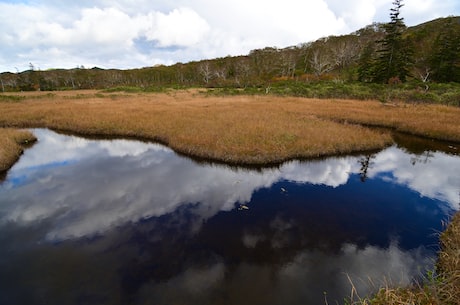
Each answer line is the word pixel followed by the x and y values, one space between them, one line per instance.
pixel 428 120
pixel 449 263
pixel 242 129
pixel 12 142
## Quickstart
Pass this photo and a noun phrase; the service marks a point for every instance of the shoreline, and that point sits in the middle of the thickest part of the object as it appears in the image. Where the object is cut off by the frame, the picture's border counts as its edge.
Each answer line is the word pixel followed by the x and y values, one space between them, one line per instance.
pixel 241 130
pixel 12 145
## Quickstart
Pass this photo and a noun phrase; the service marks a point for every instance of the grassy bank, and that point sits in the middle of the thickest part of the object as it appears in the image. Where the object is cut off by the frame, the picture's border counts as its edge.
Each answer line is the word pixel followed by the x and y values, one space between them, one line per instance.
pixel 12 143
pixel 238 129
pixel 244 129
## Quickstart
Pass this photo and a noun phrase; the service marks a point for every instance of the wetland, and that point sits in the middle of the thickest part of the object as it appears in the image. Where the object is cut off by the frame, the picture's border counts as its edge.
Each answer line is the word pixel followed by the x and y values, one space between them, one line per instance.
pixel 121 221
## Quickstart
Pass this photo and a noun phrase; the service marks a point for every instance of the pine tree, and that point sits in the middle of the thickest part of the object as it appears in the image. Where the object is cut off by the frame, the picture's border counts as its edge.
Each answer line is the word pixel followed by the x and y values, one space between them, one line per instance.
pixel 366 63
pixel 445 60
pixel 395 54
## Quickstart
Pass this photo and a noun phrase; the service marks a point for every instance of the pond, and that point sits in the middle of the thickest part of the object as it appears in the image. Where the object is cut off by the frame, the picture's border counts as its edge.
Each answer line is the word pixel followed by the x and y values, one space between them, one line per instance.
pixel 124 222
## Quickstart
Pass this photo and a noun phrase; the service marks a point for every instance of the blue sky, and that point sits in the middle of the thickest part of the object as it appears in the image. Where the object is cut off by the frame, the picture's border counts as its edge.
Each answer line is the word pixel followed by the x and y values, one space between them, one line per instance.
pixel 130 34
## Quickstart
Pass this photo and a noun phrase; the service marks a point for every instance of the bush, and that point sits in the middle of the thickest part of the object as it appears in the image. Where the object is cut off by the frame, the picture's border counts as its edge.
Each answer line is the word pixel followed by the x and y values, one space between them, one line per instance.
pixel 411 92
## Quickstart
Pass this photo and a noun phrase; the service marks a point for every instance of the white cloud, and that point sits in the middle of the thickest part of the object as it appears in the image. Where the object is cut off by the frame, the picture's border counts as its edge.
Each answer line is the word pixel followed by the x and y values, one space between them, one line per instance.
pixel 433 175
pixel 272 22
pixel 107 26
pixel 354 13
pixel 181 27
pixel 105 33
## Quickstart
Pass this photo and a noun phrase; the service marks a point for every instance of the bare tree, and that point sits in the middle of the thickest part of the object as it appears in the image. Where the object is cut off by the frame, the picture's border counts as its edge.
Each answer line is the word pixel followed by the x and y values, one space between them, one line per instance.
pixel 424 75
pixel 344 53
pixel 321 62
pixel 205 71
pixel 221 73
pixel 243 72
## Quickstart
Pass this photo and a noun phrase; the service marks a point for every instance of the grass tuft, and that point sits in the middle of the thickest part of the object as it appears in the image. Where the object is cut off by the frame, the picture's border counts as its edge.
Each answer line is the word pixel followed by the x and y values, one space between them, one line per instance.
pixel 12 142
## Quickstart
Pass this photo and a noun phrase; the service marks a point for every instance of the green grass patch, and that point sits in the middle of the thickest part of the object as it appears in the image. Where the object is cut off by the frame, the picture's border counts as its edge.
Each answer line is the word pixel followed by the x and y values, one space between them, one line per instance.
pixel 148 89
pixel 127 89
pixel 413 92
pixel 11 98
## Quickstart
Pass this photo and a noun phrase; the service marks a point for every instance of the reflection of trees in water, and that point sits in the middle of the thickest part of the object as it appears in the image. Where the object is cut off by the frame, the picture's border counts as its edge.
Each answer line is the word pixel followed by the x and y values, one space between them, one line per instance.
pixel 423 158
pixel 366 163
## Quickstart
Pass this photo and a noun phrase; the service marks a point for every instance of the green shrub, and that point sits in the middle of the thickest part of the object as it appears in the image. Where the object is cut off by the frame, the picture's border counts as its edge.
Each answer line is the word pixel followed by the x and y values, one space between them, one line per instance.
pixel 127 89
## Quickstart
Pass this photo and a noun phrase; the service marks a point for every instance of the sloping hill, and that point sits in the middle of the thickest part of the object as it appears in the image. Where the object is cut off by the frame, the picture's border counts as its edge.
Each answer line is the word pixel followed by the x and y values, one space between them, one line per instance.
pixel 435 45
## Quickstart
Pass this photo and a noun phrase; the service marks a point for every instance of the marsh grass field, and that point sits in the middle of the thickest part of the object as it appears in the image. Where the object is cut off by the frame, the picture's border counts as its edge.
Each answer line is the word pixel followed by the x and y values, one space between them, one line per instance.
pixel 253 130
pixel 248 130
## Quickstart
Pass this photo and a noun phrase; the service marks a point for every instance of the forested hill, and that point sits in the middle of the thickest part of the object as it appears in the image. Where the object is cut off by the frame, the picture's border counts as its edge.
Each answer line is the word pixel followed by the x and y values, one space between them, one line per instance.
pixel 434 49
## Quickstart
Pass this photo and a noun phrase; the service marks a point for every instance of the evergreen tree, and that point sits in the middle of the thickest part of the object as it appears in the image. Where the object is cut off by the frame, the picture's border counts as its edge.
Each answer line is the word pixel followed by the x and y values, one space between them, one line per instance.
pixel 366 63
pixel 395 54
pixel 445 60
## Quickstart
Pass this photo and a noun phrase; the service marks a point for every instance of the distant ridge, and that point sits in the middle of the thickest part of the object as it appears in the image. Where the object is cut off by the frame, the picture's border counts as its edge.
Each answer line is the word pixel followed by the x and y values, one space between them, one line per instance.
pixel 328 58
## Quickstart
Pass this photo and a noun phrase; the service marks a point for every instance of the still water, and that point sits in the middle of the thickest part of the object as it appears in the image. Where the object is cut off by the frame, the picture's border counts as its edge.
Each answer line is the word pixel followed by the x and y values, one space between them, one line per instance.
pixel 125 222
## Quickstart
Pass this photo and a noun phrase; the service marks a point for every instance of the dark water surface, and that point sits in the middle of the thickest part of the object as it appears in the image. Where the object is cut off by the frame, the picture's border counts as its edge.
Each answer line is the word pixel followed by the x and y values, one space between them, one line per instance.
pixel 125 222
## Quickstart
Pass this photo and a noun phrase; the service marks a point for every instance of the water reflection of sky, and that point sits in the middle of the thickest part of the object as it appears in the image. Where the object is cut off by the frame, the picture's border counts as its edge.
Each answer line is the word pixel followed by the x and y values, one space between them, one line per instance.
pixel 164 229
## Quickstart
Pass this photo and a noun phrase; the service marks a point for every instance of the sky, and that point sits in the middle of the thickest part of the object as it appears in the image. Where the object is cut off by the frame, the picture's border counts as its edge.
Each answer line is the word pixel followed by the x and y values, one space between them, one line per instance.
pixel 126 34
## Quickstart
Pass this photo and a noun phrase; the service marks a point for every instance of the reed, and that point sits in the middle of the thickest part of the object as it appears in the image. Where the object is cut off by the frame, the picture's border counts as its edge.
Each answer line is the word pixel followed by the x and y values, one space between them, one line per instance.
pixel 12 143
pixel 428 120
pixel 253 130
pixel 238 129
pixel 449 263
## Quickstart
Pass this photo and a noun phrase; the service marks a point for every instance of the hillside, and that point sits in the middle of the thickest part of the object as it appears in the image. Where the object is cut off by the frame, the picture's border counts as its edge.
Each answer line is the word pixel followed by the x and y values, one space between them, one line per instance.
pixel 336 58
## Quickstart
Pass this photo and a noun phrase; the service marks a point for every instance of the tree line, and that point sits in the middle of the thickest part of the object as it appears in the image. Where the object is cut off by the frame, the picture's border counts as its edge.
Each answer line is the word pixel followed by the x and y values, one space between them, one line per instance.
pixel 378 53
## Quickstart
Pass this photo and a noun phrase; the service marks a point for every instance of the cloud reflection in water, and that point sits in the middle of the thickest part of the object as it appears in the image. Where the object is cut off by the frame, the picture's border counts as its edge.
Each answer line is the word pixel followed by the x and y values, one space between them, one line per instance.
pixel 91 186
pixel 141 200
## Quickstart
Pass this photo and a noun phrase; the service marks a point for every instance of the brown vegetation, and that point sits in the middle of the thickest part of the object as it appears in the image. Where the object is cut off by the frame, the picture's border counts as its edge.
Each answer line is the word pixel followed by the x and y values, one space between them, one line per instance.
pixel 449 263
pixel 432 121
pixel 243 129
pixel 240 129
pixel 12 142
